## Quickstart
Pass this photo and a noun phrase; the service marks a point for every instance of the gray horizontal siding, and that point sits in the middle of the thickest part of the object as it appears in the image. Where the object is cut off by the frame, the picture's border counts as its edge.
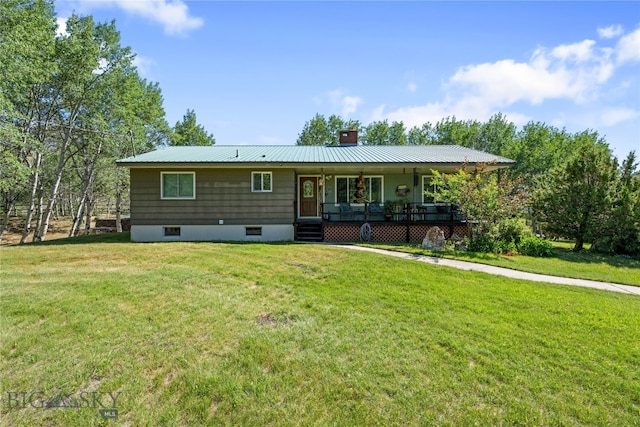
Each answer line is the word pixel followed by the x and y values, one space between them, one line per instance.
pixel 220 195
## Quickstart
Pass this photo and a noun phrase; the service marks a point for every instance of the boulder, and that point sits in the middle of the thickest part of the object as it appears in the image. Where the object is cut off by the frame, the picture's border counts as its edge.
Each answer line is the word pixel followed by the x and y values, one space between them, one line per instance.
pixel 434 239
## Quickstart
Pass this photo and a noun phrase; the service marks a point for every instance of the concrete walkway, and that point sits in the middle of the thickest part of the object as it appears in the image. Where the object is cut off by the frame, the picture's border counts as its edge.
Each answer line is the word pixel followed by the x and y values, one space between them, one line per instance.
pixel 506 272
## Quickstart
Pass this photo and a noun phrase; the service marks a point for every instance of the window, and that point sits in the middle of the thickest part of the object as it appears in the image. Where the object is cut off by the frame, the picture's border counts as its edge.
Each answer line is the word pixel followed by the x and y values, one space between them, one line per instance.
pixel 261 182
pixel 427 189
pixel 171 231
pixel 308 189
pixel 178 185
pixel 346 189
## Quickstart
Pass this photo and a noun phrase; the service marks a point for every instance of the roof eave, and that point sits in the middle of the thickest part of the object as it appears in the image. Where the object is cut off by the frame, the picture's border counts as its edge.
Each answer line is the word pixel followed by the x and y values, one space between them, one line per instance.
pixel 228 165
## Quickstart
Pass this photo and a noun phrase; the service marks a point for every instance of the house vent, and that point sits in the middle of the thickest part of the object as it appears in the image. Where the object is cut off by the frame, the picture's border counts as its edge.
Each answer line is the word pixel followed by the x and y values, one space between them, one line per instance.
pixel 348 137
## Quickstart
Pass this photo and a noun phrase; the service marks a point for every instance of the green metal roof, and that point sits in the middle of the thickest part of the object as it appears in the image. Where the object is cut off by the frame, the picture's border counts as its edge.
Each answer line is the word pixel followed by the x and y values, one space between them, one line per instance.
pixel 314 155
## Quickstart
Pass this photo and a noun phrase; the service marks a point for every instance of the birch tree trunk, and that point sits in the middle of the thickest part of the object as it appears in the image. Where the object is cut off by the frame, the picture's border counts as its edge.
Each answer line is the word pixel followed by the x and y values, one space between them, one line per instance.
pixel 39 212
pixel 88 180
pixel 89 214
pixel 118 215
pixel 5 219
pixel 32 198
pixel 62 161
pixel 78 217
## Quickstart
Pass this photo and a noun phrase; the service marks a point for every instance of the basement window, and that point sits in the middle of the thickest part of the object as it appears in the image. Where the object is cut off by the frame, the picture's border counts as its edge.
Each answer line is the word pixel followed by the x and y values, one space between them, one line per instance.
pixel 171 231
pixel 253 231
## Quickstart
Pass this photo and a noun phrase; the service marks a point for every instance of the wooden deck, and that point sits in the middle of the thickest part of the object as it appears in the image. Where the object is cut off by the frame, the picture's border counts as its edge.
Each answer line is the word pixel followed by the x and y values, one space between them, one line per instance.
pixel 409 225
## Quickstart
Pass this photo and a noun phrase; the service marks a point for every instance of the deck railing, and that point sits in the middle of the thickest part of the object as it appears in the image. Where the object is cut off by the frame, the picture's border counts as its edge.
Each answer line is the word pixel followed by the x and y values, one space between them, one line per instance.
pixel 402 212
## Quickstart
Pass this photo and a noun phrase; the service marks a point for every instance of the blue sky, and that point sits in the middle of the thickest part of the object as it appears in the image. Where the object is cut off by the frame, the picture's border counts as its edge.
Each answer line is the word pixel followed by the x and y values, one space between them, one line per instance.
pixel 254 72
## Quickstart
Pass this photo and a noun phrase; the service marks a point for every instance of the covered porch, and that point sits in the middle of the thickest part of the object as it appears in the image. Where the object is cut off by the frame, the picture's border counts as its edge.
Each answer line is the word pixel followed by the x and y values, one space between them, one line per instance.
pixel 395 205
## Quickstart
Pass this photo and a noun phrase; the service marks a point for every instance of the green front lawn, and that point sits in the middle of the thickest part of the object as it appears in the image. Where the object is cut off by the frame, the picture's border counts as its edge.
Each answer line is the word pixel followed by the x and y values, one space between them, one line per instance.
pixel 565 262
pixel 286 334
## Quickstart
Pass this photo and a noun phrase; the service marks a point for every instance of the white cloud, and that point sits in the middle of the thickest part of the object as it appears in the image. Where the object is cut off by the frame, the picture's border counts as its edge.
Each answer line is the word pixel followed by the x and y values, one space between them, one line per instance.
pixel 377 114
pixel 143 65
pixel 505 82
pixel 610 32
pixel 103 64
pixel 612 117
pixel 173 15
pixel 579 52
pixel 416 116
pixel 334 96
pixel 339 101
pixel 61 27
pixel 574 72
pixel 517 119
pixel 469 109
pixel 350 104
pixel 628 47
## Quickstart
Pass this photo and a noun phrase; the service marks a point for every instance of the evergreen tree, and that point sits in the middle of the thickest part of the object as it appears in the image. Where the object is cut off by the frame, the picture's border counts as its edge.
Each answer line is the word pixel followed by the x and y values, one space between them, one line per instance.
pixel 572 198
pixel 189 132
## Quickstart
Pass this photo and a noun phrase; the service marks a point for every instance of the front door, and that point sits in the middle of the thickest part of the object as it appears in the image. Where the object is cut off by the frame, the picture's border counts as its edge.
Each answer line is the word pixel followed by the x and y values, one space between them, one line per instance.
pixel 308 196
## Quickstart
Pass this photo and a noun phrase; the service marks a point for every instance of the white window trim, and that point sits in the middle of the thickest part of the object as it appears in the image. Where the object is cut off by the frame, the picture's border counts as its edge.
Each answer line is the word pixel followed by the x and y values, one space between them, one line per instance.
pixel 270 173
pixel 424 189
pixel 162 196
pixel 335 186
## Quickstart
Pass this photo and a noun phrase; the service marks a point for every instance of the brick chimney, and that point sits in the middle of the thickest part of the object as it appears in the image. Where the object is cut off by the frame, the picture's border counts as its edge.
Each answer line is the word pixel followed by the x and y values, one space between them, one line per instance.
pixel 348 137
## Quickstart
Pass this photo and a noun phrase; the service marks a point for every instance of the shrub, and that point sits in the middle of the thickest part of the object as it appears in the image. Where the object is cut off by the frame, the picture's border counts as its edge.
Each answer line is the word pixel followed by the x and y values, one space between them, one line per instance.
pixel 511 230
pixel 510 236
pixel 502 238
pixel 483 243
pixel 535 246
pixel 505 247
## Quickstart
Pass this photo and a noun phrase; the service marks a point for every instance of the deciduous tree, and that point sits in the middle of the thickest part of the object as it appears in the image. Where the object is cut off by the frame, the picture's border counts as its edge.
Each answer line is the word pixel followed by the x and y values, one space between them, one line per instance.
pixel 322 131
pixel 68 106
pixel 484 197
pixel 383 133
pixel 315 132
pixel 422 135
pixel 536 148
pixel 27 32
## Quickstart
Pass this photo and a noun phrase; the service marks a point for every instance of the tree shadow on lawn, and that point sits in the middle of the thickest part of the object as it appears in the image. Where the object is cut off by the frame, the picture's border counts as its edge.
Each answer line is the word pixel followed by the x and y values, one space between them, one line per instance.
pixel 568 255
pixel 124 237
pixel 562 254
pixel 589 257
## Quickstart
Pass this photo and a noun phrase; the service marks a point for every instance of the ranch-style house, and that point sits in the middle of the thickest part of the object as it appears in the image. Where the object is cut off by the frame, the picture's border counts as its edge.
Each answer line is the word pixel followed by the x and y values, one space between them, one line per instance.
pixel 340 193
